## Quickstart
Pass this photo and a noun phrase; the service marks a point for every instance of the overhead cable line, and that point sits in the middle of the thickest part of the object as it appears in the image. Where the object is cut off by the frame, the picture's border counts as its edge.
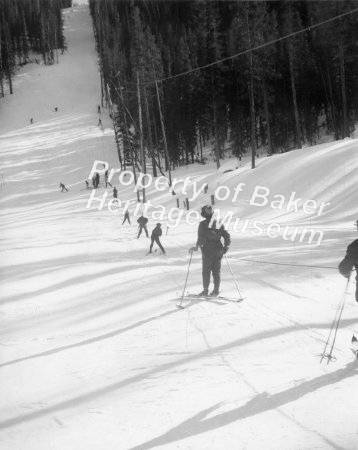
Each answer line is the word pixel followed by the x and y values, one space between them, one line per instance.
pixel 266 44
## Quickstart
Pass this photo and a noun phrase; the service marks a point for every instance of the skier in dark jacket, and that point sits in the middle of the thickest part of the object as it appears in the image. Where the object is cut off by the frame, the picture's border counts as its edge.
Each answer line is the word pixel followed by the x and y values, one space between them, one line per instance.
pixel 349 261
pixel 212 250
pixel 63 187
pixel 97 179
pixel 156 233
pixel 142 221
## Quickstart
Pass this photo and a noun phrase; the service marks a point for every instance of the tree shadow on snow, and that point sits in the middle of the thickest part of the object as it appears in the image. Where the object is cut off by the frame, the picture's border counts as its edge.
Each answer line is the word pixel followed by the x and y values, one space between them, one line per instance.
pixel 260 403
pixel 263 402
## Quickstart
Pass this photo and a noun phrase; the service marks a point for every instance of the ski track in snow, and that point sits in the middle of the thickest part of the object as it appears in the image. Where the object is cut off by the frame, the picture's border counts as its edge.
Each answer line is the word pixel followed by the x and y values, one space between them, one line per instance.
pixel 94 352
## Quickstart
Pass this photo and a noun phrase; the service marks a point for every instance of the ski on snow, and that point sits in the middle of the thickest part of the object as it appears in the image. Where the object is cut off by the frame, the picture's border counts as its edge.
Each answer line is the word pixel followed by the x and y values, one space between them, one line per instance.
pixel 209 298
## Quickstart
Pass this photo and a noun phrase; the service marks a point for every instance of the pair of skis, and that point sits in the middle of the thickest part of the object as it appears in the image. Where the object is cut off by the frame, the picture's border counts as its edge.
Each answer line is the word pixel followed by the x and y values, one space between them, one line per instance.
pixel 155 253
pixel 209 298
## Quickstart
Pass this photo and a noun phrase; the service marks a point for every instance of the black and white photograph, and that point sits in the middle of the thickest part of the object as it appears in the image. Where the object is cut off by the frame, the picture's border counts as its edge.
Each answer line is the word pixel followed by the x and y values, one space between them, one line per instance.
pixel 179 224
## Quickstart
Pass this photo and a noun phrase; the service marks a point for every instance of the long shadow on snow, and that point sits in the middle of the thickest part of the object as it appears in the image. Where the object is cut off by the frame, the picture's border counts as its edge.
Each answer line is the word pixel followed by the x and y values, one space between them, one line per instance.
pixel 91 340
pixel 193 426
pixel 80 399
pixel 261 403
pixel 61 263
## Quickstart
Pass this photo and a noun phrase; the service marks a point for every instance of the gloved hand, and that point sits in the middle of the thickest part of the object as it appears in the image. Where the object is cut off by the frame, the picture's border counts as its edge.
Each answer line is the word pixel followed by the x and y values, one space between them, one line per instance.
pixel 193 249
pixel 225 249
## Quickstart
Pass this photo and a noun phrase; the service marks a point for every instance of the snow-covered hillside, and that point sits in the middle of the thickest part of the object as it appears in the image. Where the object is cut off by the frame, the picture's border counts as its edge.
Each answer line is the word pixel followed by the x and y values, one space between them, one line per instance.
pixel 94 352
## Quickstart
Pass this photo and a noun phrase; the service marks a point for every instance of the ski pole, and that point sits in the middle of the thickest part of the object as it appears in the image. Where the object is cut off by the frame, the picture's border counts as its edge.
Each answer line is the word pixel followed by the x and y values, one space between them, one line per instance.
pixel 235 281
pixel 335 326
pixel 186 280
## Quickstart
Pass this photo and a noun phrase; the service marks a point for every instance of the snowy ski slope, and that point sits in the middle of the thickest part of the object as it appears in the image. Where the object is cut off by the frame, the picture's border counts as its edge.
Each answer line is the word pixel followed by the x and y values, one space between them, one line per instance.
pixel 94 354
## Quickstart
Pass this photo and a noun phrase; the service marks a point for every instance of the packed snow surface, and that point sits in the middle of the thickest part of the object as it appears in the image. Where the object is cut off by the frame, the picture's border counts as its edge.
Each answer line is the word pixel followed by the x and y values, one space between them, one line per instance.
pixel 95 353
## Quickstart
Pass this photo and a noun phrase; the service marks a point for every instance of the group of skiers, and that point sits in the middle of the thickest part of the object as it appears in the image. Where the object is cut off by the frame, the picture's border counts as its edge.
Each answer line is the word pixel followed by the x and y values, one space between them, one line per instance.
pixel 155 236
pixel 210 243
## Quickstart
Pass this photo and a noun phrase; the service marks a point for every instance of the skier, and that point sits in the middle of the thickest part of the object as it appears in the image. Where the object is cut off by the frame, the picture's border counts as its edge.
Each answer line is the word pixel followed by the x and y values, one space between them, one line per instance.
pixel 96 175
pixel 126 217
pixel 212 250
pixel 115 193
pixel 351 259
pixel 106 178
pixel 156 233
pixel 87 184
pixel 99 122
pixel 63 187
pixel 142 225
pixel 31 120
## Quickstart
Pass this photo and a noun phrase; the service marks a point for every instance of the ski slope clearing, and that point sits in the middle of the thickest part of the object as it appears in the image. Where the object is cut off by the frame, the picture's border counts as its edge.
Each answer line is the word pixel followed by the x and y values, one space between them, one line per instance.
pixel 94 352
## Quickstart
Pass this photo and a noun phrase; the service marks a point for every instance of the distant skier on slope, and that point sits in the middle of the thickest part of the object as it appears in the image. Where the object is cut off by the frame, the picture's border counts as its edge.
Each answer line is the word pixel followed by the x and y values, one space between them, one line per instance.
pixel 115 193
pixel 96 175
pixel 351 259
pixel 142 221
pixel 212 250
pixel 63 187
pixel 156 233
pixel 106 178
pixel 126 218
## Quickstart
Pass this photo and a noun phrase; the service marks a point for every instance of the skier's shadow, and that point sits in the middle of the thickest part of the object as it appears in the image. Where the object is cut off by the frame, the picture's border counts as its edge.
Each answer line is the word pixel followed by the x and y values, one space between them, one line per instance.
pixel 262 402
pixel 188 302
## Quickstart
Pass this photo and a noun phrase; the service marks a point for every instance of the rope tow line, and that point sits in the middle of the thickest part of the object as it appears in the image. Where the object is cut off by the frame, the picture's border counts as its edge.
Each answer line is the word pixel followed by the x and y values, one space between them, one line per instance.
pixel 285 264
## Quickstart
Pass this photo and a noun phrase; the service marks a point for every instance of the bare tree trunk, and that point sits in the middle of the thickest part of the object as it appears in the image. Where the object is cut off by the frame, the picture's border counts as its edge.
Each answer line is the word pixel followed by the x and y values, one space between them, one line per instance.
pixel 345 128
pixel 294 96
pixel 216 131
pixel 127 135
pixel 252 97
pixel 167 162
pixel 150 133
pixel 142 153
pixel 115 130
pixel 267 117
pixel 201 146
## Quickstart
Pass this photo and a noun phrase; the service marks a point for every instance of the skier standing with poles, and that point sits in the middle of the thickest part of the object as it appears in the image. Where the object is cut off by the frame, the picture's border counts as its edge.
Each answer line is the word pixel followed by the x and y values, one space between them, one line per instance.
pixel 349 261
pixel 212 249
pixel 345 268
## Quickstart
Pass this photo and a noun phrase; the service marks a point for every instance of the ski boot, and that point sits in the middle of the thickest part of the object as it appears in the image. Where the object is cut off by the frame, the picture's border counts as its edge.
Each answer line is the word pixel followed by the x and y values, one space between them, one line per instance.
pixel 203 293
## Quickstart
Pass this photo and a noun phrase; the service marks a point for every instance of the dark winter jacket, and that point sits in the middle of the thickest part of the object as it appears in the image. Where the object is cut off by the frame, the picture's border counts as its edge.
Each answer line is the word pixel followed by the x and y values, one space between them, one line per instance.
pixel 156 232
pixel 350 260
pixel 142 221
pixel 209 238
